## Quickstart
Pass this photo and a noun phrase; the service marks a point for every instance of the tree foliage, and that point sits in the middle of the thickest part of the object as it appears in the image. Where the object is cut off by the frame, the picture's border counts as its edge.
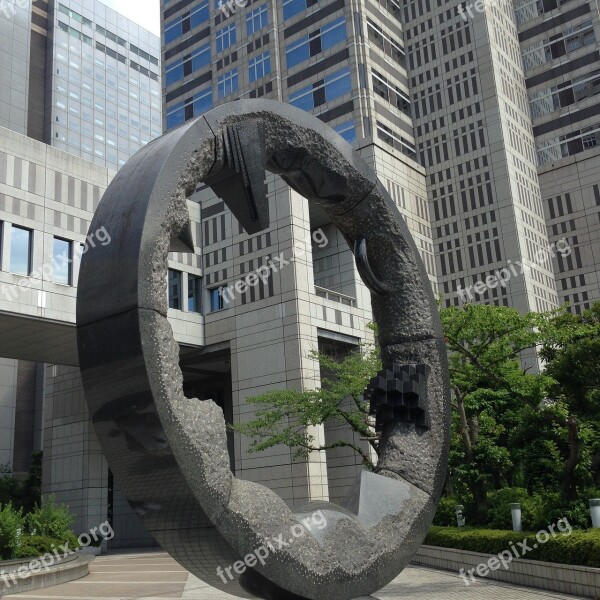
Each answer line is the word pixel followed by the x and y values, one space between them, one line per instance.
pixel 287 417
pixel 535 431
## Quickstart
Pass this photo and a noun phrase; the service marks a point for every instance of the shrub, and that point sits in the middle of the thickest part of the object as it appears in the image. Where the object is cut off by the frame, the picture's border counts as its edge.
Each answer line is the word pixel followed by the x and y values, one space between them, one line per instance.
pixel 11 528
pixel 50 520
pixel 445 515
pixel 10 488
pixel 499 513
pixel 32 486
pixel 579 548
pixel 33 546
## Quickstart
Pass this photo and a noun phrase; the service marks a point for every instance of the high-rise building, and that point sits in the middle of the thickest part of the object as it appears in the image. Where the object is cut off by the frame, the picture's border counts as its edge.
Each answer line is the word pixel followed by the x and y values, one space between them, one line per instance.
pixel 15 26
pixel 80 83
pixel 475 140
pixel 560 42
pixel 346 64
pixel 82 78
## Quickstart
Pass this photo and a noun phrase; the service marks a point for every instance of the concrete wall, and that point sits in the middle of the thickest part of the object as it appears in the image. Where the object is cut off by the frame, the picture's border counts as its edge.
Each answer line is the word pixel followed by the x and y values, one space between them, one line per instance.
pixel 583 582
pixel 571 192
pixel 8 400
pixel 14 58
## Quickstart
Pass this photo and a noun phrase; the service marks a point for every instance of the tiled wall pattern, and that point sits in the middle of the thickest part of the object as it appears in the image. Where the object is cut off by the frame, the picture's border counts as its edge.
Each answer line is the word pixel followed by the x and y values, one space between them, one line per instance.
pixel 8 399
pixel 14 58
pixel 475 140
pixel 560 43
pixel 571 192
pixel 104 86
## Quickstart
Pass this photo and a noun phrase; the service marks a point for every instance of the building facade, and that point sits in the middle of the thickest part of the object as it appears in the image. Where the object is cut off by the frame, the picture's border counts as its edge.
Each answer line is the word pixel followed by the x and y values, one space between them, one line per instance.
pixel 103 99
pixel 560 44
pixel 81 78
pixel 345 63
pixel 480 123
pixel 81 94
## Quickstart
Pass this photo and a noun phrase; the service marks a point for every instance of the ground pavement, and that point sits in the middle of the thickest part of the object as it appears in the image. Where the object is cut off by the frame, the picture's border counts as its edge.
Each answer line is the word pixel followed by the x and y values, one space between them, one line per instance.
pixel 156 576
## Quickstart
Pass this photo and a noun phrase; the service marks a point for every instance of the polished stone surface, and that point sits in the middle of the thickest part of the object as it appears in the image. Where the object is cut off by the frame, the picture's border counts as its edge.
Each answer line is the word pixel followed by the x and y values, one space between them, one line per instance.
pixel 168 452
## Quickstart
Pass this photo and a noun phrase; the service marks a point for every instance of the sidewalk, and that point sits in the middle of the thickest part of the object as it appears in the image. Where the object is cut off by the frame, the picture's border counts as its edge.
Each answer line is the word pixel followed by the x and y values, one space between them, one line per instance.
pixel 156 576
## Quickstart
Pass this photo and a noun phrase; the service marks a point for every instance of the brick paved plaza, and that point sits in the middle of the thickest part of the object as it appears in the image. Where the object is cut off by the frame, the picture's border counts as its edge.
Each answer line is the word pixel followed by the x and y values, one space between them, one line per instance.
pixel 156 576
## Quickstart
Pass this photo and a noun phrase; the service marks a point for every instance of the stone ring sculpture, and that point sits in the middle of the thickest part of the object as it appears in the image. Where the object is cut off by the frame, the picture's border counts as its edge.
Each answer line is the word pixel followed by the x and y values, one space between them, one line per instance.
pixel 169 453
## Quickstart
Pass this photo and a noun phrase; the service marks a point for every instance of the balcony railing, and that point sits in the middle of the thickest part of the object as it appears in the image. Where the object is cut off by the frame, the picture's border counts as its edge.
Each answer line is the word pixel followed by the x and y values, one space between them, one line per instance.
pixel 335 296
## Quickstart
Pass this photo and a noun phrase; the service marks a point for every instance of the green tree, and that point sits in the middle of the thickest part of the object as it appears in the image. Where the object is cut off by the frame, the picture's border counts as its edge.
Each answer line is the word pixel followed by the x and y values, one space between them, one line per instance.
pixel 50 520
pixel 284 417
pixel 11 528
pixel 571 347
pixel 490 389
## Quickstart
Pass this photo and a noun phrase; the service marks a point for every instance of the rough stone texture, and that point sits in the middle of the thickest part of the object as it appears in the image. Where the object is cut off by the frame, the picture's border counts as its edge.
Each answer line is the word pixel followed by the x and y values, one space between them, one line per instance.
pixel 169 453
pixel 421 455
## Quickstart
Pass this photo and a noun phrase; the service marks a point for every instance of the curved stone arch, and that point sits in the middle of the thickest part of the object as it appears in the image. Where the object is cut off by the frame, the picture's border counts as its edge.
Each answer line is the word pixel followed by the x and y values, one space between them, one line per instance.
pixel 169 453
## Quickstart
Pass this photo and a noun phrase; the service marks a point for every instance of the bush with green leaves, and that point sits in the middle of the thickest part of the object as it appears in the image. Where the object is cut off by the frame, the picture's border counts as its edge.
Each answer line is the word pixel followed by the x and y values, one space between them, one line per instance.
pixel 11 530
pixel 445 515
pixel 499 514
pixel 578 548
pixel 50 520
pixel 538 510
pixel 34 546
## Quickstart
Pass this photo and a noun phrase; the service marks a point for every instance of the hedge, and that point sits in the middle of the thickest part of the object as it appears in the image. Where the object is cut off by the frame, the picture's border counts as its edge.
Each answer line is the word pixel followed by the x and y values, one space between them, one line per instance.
pixel 34 546
pixel 579 548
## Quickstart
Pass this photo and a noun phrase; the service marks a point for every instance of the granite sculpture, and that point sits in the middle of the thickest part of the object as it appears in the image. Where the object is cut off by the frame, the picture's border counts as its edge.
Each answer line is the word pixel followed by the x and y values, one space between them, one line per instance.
pixel 169 453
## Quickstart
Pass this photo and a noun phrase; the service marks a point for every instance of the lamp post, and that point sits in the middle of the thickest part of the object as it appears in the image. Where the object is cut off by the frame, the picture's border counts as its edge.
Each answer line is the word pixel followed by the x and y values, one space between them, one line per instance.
pixel 460 517
pixel 515 510
pixel 595 512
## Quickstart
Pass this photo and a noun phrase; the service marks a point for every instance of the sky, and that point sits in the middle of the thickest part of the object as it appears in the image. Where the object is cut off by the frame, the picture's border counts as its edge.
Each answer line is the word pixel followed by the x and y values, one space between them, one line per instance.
pixel 143 12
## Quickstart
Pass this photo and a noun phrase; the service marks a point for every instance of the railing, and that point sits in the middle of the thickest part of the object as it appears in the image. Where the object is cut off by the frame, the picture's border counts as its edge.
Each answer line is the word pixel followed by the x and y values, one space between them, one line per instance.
pixel 335 296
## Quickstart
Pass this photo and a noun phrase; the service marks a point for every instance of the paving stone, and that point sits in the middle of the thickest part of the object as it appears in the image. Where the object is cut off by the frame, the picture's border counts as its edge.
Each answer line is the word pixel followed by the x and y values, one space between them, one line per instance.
pixel 156 576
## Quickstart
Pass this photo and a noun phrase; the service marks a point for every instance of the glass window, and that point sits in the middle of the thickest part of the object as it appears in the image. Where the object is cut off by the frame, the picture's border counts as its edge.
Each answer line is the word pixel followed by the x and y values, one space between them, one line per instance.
pixel 347 130
pixel 173 30
pixel 202 102
pixel 310 45
pixel 226 37
pixel 293 7
pixel 337 84
pixel 303 98
pixel 257 19
pixel 201 58
pixel 199 15
pixel 194 294
pixel 62 260
pixel 174 72
pixel 333 33
pixel 216 299
pixel 175 280
pixel 20 250
pixel 297 52
pixel 260 66
pixel 175 115
pixel 228 83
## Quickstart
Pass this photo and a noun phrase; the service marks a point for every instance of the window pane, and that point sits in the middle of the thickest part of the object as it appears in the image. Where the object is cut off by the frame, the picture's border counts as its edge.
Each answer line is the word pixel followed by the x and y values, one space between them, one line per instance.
pixel 194 294
pixel 333 33
pixel 297 52
pixel 174 289
pixel 61 261
pixel 216 300
pixel 293 7
pixel 303 98
pixel 338 84
pixel 20 251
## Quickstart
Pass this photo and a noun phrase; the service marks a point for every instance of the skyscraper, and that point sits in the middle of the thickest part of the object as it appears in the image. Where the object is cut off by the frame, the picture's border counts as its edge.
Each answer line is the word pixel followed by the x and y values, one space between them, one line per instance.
pixel 82 78
pixel 80 83
pixel 476 142
pixel 560 46
pixel 347 65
